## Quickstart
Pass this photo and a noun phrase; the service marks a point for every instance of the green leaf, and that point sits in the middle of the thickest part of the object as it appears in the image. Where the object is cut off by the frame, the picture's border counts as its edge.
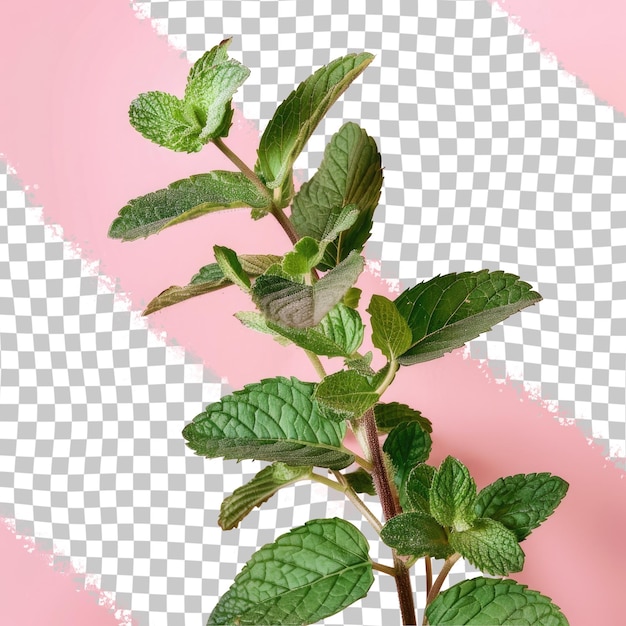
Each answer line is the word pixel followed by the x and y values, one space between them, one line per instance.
pixel 204 113
pixel 307 574
pixel 184 200
pixel 231 267
pixel 416 534
pixel 452 495
pixel 389 415
pixel 490 547
pixel 416 496
pixel 352 297
pixel 521 502
pixel 481 601
pixel 297 117
pixel 361 364
pixel 301 306
pixel 390 332
pixel 258 490
pixel 345 395
pixel 407 445
pixel 361 481
pixel 446 312
pixel 209 278
pixel 303 258
pixel 339 333
pixel 350 174
pixel 274 420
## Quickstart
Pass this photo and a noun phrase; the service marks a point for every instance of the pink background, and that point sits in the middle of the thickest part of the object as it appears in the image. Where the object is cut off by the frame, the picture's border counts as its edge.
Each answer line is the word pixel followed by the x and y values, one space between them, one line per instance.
pixel 64 128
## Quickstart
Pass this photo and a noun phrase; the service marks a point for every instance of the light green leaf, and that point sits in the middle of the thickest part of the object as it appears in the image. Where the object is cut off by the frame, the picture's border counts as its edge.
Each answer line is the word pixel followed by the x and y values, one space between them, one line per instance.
pixel 184 200
pixel 339 333
pixel 209 278
pixel 416 494
pixel 389 415
pixel 361 481
pixel 231 267
pixel 390 332
pixel 490 547
pixel 307 574
pixel 448 311
pixel 345 395
pixel 453 494
pixel 297 117
pixel 301 306
pixel 418 535
pixel 274 420
pixel 350 174
pixel 361 364
pixel 482 601
pixel 521 502
pixel 303 258
pixel 257 491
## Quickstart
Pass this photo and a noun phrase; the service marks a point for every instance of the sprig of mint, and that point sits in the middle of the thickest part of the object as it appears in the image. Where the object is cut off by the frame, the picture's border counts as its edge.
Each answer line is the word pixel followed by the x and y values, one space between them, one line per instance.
pixel 308 297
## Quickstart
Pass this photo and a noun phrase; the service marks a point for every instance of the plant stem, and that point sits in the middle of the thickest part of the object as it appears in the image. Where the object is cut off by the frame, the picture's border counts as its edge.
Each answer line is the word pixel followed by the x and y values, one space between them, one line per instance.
pixel 250 175
pixel 317 364
pixel 283 220
pixel 429 574
pixel 383 568
pixel 434 592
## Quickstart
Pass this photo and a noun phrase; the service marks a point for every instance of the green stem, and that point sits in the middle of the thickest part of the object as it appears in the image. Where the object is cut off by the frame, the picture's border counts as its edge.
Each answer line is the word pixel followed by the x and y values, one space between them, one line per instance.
pixel 317 364
pixel 434 592
pixel 384 568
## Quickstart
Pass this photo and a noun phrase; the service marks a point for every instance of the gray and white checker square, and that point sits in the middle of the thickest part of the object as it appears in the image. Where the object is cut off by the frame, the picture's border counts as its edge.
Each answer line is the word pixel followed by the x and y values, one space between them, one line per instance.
pixel 493 158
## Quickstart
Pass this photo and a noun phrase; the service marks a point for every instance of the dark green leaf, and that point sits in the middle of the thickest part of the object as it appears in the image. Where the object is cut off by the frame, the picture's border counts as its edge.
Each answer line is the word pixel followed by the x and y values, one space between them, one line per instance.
pixel 390 332
pixel 350 174
pixel 297 117
pixel 301 306
pixel 352 297
pixel 448 311
pixel 361 481
pixel 521 502
pixel 345 395
pixel 274 420
pixel 416 495
pixel 309 573
pixel 407 445
pixel 391 414
pixel 452 495
pixel 418 535
pixel 339 333
pixel 496 602
pixel 361 364
pixel 184 200
pixel 231 267
pixel 489 546
pixel 258 490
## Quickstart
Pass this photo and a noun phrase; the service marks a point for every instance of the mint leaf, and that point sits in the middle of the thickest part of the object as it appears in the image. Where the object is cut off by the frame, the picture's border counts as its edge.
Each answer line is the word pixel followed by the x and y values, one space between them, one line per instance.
pixel 416 534
pixel 184 200
pixel 490 547
pixel 209 278
pixel 258 490
pixel 390 332
pixel 407 445
pixel 303 258
pixel 274 420
pixel 448 311
pixel 345 395
pixel 350 174
pixel 339 333
pixel 361 481
pixel 452 495
pixel 231 267
pixel 297 305
pixel 352 297
pixel 481 601
pixel 521 502
pixel 297 117
pixel 307 574
pixel 416 494
pixel 389 415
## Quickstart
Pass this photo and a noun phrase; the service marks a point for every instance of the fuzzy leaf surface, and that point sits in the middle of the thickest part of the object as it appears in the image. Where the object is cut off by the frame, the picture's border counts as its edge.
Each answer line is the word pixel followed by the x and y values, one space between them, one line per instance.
pixel 391 414
pixel 448 311
pixel 307 574
pixel 274 420
pixel 481 601
pixel 416 494
pixel 298 305
pixel 258 490
pixel 416 534
pixel 339 333
pixel 453 494
pixel 390 332
pixel 521 502
pixel 231 267
pixel 345 395
pixel 361 481
pixel 297 117
pixel 184 200
pixel 350 174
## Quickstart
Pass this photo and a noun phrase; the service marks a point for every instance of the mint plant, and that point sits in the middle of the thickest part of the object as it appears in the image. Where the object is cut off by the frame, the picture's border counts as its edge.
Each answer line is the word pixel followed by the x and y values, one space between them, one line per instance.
pixel 308 297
